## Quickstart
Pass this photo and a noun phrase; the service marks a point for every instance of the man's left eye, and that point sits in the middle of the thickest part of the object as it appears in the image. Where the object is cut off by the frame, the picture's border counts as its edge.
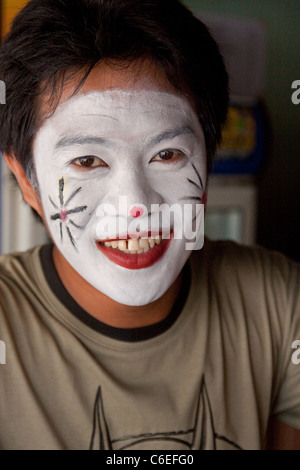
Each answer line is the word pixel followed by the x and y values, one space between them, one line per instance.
pixel 89 161
pixel 168 156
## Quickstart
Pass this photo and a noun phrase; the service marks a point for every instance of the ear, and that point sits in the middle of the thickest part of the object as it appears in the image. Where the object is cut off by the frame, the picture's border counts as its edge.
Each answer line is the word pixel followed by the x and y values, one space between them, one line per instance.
pixel 28 192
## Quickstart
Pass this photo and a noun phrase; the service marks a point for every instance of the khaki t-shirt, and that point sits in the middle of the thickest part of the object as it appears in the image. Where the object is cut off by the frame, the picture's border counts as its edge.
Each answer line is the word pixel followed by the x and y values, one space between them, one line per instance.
pixel 207 377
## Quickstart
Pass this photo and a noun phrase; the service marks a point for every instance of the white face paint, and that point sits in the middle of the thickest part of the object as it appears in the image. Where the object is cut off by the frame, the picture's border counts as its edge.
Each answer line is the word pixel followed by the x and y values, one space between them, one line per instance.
pixel 126 134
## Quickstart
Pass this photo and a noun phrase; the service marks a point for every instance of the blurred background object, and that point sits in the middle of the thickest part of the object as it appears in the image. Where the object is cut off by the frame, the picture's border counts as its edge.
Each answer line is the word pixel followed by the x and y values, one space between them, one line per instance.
pixel 9 9
pixel 269 41
pixel 20 229
pixel 233 192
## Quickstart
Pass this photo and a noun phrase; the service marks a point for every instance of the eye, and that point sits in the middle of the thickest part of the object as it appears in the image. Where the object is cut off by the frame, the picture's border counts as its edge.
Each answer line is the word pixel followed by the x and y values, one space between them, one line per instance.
pixel 89 161
pixel 168 156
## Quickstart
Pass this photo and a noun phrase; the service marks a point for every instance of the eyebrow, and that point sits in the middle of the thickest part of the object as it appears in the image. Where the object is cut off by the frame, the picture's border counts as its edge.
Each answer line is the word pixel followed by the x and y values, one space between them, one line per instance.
pixel 171 134
pixel 68 141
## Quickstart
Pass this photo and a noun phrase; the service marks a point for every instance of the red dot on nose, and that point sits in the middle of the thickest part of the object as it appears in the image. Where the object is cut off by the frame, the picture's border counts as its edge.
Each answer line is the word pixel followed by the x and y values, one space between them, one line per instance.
pixel 136 212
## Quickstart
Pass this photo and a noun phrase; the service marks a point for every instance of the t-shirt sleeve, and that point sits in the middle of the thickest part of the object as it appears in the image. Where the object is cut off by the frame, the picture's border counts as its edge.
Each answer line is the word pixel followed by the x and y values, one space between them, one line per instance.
pixel 286 405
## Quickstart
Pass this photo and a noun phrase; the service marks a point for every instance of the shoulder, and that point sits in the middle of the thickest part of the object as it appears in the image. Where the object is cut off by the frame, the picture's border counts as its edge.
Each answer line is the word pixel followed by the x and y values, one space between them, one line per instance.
pixel 251 283
pixel 15 265
pixel 229 260
pixel 19 273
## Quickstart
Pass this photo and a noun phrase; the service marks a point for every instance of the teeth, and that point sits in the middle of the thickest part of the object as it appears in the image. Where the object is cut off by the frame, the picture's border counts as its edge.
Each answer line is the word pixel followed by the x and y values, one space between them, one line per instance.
pixel 122 245
pixel 133 246
pixel 144 243
pixel 151 242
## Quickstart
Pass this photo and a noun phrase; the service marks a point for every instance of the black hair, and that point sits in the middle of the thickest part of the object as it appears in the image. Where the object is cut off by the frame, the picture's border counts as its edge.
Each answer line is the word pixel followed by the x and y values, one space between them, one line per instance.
pixel 53 41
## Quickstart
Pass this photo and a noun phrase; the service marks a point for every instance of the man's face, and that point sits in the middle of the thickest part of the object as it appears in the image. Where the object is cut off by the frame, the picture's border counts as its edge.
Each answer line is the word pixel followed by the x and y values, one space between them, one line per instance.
pixel 103 160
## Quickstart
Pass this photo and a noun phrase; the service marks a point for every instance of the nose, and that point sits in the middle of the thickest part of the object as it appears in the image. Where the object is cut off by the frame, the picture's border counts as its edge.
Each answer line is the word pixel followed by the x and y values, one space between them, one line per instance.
pixel 131 193
pixel 136 211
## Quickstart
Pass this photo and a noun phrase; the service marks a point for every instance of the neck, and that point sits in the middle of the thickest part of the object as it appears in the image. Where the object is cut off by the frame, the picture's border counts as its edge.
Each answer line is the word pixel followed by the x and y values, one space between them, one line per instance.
pixel 107 310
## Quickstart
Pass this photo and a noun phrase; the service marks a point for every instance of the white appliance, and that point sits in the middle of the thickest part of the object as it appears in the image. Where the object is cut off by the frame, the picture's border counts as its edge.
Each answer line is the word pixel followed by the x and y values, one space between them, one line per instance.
pixel 231 209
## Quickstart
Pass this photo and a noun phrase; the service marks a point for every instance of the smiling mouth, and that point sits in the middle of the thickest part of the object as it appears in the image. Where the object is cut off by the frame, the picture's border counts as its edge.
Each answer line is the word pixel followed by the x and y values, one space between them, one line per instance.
pixel 133 246
pixel 135 253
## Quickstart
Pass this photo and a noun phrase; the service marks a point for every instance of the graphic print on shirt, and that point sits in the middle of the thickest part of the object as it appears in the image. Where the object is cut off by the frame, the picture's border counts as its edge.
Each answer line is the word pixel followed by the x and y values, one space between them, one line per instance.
pixel 201 436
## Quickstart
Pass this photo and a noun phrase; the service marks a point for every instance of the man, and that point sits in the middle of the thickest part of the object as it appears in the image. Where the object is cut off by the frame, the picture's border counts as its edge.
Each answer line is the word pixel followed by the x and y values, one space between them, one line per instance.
pixel 116 337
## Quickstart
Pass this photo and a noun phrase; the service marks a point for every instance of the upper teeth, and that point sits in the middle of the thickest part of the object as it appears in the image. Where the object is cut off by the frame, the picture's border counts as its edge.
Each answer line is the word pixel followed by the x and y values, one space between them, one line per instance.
pixel 132 246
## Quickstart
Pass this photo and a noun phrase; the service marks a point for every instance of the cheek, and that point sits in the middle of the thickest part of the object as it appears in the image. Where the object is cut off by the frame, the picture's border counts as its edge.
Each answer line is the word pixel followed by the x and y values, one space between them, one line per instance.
pixel 69 207
pixel 170 185
pixel 187 185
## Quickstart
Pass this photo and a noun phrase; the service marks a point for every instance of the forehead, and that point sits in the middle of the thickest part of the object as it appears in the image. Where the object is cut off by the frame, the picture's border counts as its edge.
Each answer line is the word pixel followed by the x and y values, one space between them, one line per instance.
pixel 136 120
pixel 124 105
pixel 122 108
pixel 136 79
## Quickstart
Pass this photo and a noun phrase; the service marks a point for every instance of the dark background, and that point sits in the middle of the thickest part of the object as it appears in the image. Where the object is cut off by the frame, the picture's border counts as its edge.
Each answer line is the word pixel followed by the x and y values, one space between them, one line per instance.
pixel 279 180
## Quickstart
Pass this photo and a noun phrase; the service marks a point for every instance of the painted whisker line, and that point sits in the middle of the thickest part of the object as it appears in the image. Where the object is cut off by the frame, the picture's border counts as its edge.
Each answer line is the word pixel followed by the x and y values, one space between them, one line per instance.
pixel 61 185
pixel 76 210
pixel 71 211
pixel 91 213
pixel 55 217
pixel 53 203
pixel 72 195
pixel 191 198
pixel 75 225
pixel 71 237
pixel 199 177
pixel 195 184
pixel 63 212
pixel 197 215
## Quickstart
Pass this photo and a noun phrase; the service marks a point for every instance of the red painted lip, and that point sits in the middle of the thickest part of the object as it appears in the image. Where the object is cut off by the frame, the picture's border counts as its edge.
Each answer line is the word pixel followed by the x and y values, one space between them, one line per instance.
pixel 143 260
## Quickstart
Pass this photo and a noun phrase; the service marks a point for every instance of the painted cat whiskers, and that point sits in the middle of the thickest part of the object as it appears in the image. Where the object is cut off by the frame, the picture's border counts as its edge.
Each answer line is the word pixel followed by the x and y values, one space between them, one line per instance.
pixel 200 187
pixel 64 212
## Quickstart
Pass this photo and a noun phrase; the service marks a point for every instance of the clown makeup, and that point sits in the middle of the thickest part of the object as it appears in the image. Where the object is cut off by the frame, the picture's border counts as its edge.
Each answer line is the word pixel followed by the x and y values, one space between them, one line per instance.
pixel 97 149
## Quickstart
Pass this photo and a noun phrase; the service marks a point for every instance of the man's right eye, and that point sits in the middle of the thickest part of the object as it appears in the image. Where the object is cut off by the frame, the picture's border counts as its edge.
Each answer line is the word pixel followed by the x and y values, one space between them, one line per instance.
pixel 89 161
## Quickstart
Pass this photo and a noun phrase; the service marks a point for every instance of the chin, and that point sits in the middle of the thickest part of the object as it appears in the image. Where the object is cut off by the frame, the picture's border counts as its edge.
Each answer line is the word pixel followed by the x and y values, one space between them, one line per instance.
pixel 134 296
pixel 129 286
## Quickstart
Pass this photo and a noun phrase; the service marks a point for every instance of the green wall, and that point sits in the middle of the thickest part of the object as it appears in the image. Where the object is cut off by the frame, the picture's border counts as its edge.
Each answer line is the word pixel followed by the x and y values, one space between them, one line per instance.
pixel 279 184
